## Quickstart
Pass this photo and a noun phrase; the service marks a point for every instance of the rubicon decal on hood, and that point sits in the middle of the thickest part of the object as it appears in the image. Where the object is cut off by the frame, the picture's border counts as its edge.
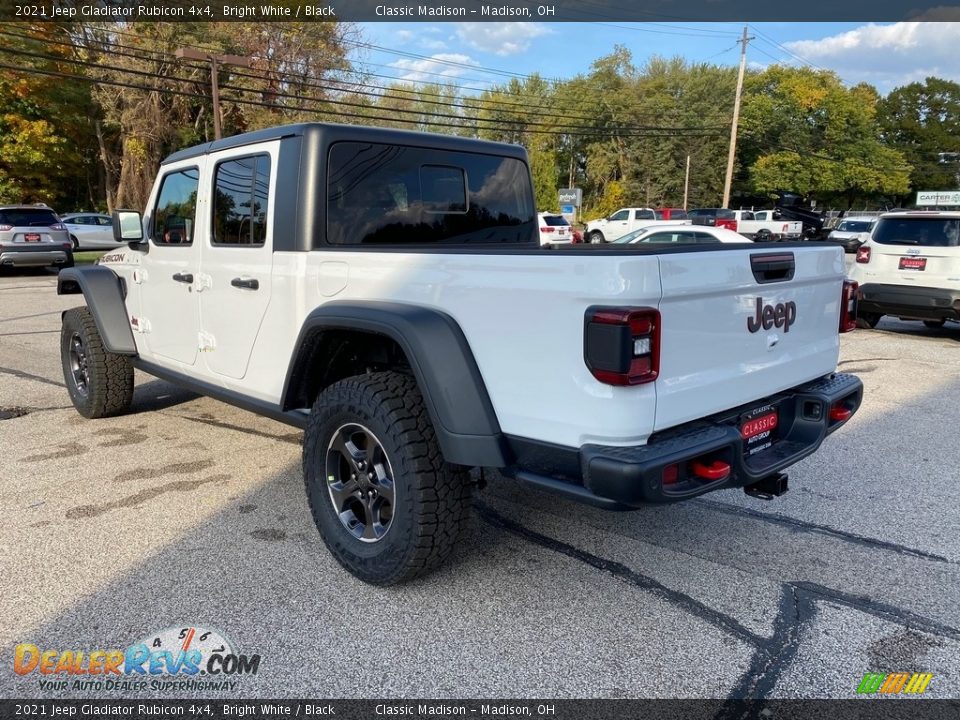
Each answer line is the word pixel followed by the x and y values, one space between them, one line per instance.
pixel 781 315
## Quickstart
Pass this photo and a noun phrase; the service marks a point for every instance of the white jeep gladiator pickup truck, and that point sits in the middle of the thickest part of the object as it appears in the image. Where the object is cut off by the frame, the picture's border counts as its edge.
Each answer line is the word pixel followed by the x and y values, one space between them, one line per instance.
pixel 386 292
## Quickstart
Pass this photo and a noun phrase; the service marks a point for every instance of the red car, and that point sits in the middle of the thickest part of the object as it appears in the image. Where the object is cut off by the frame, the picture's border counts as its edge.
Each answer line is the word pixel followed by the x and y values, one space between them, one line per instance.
pixel 670 214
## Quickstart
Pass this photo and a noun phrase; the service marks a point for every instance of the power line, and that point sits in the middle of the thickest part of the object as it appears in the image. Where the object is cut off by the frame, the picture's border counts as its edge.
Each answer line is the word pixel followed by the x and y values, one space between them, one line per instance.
pixel 418 95
pixel 465 124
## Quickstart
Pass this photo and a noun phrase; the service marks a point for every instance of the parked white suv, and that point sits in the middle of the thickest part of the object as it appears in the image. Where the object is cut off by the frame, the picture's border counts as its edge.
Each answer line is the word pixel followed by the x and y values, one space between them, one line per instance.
pixel 385 291
pixel 554 228
pixel 910 268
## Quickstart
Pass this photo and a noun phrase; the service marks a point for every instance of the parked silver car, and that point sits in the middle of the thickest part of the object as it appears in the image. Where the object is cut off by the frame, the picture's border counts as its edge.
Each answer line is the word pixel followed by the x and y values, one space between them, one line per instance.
pixel 852 232
pixel 90 231
pixel 33 236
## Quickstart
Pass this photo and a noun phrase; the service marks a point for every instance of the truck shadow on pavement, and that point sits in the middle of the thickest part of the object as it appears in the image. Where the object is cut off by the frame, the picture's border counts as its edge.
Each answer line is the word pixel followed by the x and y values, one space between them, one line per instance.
pixel 534 601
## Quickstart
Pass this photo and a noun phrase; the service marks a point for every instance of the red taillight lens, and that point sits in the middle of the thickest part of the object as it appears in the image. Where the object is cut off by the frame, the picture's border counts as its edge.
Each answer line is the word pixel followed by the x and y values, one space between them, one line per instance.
pixel 863 254
pixel 622 345
pixel 548 229
pixel 848 306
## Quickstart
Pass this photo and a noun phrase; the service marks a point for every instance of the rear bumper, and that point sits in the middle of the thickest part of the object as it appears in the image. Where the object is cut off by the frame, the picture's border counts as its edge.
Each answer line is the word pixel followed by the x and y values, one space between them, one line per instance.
pixel 620 477
pixel 908 301
pixel 33 257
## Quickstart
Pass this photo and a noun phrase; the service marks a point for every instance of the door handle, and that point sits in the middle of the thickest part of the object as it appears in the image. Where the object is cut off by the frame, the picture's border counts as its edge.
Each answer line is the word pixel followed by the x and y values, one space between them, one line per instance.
pixel 183 277
pixel 248 283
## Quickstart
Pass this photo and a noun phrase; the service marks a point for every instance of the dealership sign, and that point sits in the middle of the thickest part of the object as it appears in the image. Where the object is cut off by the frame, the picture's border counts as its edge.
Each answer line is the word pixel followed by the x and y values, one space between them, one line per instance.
pixel 938 197
pixel 571 196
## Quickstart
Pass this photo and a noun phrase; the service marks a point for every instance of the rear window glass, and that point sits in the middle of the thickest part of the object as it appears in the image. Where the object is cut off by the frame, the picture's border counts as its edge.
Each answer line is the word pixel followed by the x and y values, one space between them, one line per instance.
pixel 927 232
pixel 854 226
pixel 28 217
pixel 555 220
pixel 396 195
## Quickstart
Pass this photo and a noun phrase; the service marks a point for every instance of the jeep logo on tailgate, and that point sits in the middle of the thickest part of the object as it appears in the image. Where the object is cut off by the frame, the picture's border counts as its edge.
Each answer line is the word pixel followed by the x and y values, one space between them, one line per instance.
pixel 781 315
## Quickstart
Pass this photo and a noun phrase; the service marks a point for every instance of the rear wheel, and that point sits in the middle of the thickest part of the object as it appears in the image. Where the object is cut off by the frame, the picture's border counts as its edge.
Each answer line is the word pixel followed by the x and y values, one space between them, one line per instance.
pixel 387 505
pixel 934 324
pixel 868 321
pixel 596 237
pixel 76 243
pixel 100 382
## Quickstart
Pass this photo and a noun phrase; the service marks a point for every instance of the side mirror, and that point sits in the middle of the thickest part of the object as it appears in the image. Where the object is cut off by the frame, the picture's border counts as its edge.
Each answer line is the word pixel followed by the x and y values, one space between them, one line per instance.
pixel 128 227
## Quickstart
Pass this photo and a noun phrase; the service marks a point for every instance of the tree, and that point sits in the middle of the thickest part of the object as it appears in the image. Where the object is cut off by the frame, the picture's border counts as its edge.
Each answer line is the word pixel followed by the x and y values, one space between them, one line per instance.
pixel 804 132
pixel 922 120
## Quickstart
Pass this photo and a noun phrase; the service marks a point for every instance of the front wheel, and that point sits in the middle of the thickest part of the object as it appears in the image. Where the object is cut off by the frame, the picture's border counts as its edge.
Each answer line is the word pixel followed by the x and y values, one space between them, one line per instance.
pixel 387 505
pixel 100 383
pixel 596 237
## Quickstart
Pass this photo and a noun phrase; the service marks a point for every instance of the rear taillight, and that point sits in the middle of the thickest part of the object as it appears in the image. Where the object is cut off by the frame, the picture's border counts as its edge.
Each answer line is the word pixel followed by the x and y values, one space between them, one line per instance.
pixel 848 306
pixel 863 254
pixel 58 226
pixel 547 229
pixel 622 345
pixel 4 228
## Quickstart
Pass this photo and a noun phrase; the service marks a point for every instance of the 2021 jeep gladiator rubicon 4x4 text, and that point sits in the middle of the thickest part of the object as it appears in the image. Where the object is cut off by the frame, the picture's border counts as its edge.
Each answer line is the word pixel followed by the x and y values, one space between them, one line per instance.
pixel 386 292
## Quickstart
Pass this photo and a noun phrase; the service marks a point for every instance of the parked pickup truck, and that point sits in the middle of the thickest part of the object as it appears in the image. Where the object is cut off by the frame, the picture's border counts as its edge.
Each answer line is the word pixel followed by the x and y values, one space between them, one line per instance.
pixel 622 222
pixel 386 292
pixel 746 223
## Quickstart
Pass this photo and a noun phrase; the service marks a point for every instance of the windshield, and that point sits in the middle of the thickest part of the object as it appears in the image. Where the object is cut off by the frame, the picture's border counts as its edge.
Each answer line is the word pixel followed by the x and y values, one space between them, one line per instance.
pixel 28 217
pixel 854 226
pixel 555 220
pixel 928 232
pixel 631 236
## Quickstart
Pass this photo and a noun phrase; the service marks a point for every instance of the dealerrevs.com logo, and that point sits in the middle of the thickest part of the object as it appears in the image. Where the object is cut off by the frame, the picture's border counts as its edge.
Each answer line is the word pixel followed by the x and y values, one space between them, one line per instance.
pixel 175 659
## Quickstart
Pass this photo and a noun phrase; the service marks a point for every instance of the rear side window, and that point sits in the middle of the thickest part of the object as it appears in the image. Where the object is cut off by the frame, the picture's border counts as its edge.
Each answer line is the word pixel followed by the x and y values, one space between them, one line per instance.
pixel 28 217
pixel 176 209
pixel 644 215
pixel 555 220
pixel 746 215
pixel 241 187
pixel 926 232
pixel 397 195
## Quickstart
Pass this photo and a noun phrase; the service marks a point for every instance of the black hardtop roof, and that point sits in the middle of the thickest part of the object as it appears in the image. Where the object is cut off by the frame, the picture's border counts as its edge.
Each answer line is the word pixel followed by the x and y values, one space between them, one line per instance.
pixel 329 133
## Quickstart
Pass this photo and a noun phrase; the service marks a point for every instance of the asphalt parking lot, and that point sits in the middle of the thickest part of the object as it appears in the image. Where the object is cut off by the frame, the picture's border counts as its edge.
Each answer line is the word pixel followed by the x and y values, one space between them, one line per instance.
pixel 188 512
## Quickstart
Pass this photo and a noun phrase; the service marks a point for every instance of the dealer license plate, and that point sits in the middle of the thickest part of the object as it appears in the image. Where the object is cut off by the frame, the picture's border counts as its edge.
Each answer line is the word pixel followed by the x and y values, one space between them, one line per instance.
pixel 32 237
pixel 913 263
pixel 759 428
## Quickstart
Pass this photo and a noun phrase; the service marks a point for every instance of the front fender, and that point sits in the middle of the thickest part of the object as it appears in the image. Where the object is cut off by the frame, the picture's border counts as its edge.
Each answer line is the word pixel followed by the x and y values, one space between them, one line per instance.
pixel 103 291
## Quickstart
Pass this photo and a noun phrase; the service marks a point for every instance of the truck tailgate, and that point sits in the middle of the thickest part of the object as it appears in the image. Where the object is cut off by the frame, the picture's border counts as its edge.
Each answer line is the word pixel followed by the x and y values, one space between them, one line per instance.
pixel 736 328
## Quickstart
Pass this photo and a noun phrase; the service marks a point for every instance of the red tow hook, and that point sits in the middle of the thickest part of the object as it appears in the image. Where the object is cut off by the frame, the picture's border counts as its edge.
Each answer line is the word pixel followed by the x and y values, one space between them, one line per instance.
pixel 717 470
pixel 838 413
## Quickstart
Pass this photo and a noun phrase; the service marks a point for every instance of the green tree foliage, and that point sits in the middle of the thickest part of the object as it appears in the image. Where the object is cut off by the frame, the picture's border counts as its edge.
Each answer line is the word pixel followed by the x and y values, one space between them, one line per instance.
pixel 922 120
pixel 803 131
pixel 46 138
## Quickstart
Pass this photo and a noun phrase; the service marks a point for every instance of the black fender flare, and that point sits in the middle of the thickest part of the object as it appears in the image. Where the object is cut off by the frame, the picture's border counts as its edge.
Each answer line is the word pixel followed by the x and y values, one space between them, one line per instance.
pixel 442 363
pixel 104 293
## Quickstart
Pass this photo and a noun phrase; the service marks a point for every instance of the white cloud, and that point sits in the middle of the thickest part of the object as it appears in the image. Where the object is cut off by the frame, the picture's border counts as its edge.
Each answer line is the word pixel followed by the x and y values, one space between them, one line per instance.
pixel 417 41
pixel 887 55
pixel 501 38
pixel 426 70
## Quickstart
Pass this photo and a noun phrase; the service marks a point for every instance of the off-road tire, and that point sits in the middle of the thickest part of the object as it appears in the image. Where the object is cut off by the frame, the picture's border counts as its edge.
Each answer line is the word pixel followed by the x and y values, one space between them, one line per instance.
pixel 868 321
pixel 109 385
pixel 431 495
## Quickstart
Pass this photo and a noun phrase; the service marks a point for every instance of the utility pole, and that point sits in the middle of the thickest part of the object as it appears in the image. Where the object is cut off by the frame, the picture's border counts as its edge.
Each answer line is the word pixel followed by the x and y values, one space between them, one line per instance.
pixel 728 180
pixel 215 62
pixel 686 185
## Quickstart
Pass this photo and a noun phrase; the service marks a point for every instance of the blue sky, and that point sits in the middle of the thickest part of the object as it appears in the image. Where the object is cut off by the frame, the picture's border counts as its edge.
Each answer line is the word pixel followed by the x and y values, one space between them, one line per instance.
pixel 886 55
